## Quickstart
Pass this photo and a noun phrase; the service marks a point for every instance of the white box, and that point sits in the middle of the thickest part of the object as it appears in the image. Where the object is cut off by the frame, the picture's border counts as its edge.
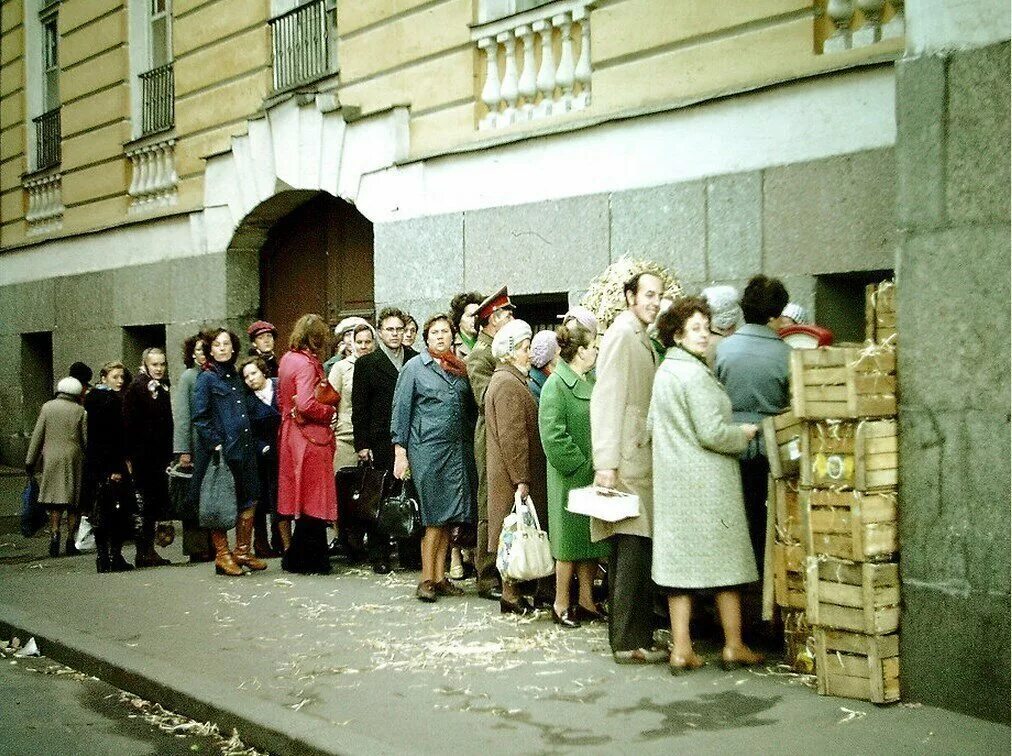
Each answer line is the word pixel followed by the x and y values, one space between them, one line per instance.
pixel 603 503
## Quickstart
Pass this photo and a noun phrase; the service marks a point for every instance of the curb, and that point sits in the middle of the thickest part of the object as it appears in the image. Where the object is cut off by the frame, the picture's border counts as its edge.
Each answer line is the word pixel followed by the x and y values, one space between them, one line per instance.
pixel 260 724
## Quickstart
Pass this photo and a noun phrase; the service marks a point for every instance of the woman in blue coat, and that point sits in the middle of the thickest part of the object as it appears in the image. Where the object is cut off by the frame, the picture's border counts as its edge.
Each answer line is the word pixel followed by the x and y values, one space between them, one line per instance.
pixel 433 432
pixel 222 409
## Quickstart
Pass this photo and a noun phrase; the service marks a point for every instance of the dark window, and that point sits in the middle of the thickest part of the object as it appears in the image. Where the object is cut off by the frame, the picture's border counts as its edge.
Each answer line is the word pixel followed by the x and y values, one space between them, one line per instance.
pixel 37 382
pixel 541 311
pixel 839 302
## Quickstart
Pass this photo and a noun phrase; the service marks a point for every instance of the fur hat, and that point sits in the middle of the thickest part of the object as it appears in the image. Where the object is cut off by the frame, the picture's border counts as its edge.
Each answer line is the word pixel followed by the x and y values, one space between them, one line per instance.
pixel 69 386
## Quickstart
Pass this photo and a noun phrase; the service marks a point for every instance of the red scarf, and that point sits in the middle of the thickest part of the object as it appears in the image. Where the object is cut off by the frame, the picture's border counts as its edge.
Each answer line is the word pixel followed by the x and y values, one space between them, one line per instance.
pixel 450 362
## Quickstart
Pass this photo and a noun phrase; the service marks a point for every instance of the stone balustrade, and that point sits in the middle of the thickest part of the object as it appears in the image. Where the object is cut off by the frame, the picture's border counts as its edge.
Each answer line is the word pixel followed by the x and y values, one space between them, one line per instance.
pixel 537 63
pixel 45 203
pixel 854 30
pixel 153 181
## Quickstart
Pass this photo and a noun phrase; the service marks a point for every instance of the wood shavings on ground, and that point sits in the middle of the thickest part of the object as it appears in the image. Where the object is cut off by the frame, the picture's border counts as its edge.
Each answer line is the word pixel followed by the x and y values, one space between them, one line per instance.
pixel 851 715
pixel 786 674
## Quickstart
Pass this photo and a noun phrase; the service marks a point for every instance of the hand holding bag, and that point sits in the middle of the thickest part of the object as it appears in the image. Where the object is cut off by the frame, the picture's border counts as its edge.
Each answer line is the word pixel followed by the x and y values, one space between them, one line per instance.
pixel 33 515
pixel 399 515
pixel 218 509
pixel 524 552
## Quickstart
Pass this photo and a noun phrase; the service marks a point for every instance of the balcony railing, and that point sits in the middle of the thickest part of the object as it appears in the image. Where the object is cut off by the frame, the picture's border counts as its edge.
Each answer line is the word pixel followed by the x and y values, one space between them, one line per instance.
pixel 47 139
pixel 301 46
pixel 158 99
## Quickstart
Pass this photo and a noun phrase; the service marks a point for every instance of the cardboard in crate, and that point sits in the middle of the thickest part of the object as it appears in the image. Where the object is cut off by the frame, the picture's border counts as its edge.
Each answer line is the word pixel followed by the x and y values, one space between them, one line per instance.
pixel 861 597
pixel 789 516
pixel 782 436
pixel 799 641
pixel 851 665
pixel 840 454
pixel 846 381
pixel 851 525
pixel 789 575
pixel 880 313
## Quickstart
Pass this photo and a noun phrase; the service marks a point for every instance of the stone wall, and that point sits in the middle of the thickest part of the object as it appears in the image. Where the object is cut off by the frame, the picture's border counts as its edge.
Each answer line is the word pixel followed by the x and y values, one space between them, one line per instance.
pixel 952 158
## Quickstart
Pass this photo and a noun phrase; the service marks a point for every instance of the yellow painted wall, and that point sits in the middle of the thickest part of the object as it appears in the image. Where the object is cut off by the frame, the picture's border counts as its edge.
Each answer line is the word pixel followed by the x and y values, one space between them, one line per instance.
pixel 12 130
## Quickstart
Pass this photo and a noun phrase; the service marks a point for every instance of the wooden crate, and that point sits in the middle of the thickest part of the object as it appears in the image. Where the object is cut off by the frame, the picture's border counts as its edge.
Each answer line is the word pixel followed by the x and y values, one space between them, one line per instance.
pixel 782 436
pixel 799 641
pixel 851 525
pixel 789 575
pixel 843 382
pixel 860 597
pixel 860 455
pixel 789 516
pixel 850 665
pixel 880 313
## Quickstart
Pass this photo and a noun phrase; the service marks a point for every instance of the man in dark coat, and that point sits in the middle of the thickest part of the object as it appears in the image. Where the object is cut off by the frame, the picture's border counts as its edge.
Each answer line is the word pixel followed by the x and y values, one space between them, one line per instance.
pixel 147 422
pixel 375 378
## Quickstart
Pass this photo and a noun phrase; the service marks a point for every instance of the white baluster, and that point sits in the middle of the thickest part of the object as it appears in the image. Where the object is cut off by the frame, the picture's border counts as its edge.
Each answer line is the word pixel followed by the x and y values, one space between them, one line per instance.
pixel 134 175
pixel 546 74
pixel 565 77
pixel 871 30
pixel 50 204
pixel 33 203
pixel 510 79
pixel 841 12
pixel 145 187
pixel 895 26
pixel 490 93
pixel 173 176
pixel 528 84
pixel 583 71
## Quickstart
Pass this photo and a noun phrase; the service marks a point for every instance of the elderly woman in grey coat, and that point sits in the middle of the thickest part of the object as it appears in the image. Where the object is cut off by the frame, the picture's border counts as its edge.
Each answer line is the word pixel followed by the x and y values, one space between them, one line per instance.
pixel 700 534
pixel 59 440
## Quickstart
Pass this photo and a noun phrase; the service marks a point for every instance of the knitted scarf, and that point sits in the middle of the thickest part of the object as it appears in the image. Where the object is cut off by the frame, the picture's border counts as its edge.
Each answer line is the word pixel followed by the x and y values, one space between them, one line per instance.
pixel 450 362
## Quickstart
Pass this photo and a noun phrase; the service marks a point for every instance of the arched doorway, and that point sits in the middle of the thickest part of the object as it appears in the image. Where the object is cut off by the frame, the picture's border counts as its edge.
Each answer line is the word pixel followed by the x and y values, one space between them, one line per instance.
pixel 317 258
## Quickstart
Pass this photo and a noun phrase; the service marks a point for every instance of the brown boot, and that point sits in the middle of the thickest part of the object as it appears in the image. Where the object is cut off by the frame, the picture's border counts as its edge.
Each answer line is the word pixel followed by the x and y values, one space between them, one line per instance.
pixel 224 564
pixel 261 541
pixel 243 535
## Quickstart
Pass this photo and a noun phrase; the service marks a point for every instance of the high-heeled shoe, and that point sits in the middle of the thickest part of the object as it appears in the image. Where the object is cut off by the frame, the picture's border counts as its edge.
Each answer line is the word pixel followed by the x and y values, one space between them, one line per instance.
pixel 743 656
pixel 54 545
pixel 583 614
pixel 520 606
pixel 678 664
pixel 565 619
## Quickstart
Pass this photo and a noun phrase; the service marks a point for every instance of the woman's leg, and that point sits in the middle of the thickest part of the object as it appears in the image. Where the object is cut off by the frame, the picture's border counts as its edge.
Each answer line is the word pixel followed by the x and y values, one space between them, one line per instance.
pixel 585 571
pixel 563 581
pixel 735 651
pixel 429 553
pixel 442 547
pixel 285 531
pixel 680 610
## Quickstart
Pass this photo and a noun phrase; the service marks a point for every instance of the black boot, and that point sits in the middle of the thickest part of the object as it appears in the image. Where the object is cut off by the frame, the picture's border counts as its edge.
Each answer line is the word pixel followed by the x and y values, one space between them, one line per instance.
pixel 102 561
pixel 54 544
pixel 72 550
pixel 116 561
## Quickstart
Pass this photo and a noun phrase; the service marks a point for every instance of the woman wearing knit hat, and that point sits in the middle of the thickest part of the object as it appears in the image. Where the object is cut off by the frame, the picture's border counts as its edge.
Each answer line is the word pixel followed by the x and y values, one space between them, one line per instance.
pixel 725 316
pixel 544 356
pixel 515 459
pixel 59 439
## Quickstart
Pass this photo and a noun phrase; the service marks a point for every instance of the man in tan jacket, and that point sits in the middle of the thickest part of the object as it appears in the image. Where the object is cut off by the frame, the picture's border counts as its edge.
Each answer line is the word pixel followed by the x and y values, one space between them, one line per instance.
pixel 622 460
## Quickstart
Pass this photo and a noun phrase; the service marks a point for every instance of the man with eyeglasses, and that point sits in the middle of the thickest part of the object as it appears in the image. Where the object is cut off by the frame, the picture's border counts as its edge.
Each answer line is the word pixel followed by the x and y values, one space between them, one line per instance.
pixel 375 377
pixel 492 314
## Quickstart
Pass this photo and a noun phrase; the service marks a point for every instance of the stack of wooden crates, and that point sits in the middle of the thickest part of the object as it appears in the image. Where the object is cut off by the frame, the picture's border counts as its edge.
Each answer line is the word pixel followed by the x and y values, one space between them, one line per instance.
pixel 843 404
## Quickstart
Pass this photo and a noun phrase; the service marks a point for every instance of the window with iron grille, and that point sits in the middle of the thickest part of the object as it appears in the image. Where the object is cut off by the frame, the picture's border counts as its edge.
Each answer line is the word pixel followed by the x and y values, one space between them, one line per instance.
pixel 302 43
pixel 157 83
pixel 47 125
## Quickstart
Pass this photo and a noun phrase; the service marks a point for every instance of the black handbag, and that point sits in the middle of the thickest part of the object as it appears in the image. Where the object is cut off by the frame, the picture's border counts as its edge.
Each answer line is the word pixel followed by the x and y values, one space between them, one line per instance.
pixel 180 479
pixel 399 515
pixel 359 493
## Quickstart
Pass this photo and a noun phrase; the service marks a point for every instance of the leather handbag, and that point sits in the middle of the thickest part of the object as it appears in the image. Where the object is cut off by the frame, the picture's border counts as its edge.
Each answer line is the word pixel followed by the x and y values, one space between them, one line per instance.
pixel 324 393
pixel 359 493
pixel 399 515
pixel 524 552
pixel 180 479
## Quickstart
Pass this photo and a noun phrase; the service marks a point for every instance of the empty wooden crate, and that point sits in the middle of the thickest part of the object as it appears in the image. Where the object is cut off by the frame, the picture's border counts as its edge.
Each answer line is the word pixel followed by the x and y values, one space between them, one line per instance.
pixel 846 454
pixel 843 382
pixel 789 515
pixel 851 524
pixel 782 436
pixel 880 313
pixel 860 597
pixel 789 575
pixel 851 665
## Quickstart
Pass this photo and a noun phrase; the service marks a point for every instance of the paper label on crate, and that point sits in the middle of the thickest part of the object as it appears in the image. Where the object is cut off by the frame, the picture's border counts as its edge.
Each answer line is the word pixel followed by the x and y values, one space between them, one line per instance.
pixel 794 449
pixel 833 466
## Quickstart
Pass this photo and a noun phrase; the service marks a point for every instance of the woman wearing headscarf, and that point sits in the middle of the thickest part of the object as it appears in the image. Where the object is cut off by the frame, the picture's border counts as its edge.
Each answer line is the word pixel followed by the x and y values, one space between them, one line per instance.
pixel 306 491
pixel 515 459
pixel 700 532
pixel 432 427
pixel 106 482
pixel 564 421
pixel 147 422
pixel 221 415
pixel 725 316
pixel 544 357
pixel 196 541
pixel 266 419
pixel 59 440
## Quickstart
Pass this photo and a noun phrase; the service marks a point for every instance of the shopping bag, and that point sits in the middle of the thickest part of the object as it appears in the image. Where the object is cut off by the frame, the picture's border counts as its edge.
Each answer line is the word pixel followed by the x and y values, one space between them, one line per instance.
pixel 85 538
pixel 399 515
pixel 524 552
pixel 179 492
pixel 218 508
pixel 33 514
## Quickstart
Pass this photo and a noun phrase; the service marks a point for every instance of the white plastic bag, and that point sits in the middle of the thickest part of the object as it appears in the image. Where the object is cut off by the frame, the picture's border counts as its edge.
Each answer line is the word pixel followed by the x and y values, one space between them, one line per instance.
pixel 85 538
pixel 524 552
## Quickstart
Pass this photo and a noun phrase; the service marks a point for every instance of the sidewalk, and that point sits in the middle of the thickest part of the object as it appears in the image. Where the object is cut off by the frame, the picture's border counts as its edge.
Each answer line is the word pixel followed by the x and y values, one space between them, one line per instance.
pixel 352 663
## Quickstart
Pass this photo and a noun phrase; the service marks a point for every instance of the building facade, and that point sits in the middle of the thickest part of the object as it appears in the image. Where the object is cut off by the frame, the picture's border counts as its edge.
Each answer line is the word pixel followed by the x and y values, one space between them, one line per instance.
pixel 170 163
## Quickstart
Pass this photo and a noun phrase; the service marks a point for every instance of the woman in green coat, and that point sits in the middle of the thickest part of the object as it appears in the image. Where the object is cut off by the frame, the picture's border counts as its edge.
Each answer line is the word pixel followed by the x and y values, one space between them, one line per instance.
pixel 564 423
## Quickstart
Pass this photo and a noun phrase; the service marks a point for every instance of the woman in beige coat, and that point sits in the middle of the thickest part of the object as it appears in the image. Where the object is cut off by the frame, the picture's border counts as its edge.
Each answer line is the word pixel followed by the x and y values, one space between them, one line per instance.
pixel 700 534
pixel 59 439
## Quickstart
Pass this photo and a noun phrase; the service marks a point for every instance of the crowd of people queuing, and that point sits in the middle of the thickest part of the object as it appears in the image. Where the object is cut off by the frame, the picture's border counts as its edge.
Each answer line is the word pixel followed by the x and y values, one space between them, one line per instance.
pixel 666 404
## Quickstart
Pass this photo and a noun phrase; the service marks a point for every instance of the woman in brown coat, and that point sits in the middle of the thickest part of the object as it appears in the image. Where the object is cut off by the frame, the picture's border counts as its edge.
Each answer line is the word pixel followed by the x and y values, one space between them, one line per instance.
pixel 59 440
pixel 515 459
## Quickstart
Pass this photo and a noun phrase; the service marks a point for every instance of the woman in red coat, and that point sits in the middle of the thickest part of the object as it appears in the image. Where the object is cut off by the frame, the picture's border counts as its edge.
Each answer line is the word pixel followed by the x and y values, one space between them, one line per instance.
pixel 306 491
